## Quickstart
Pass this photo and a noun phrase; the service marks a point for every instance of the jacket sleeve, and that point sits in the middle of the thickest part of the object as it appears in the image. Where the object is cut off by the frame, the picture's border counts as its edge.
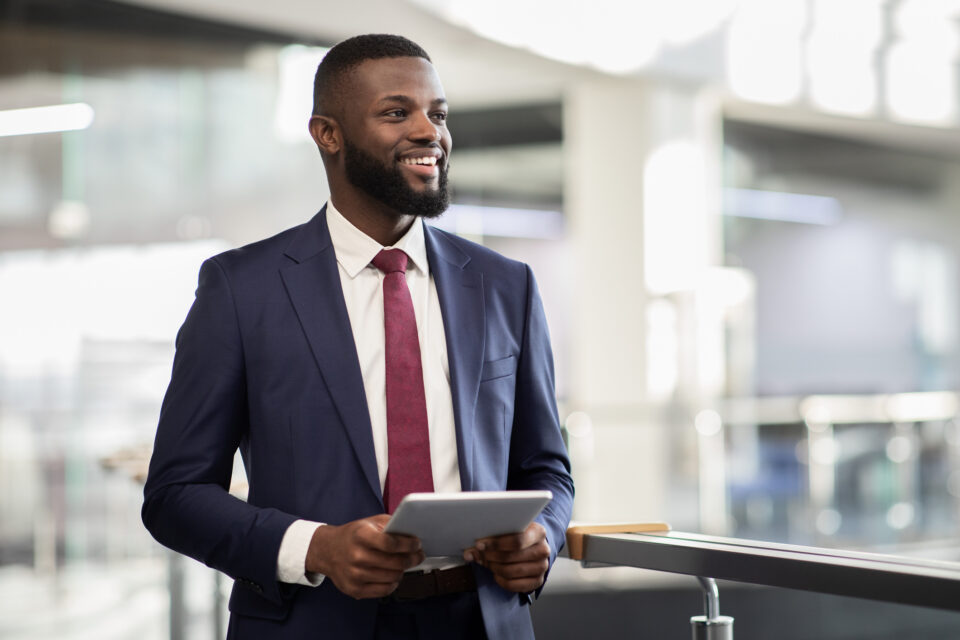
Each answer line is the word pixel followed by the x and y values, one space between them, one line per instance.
pixel 203 420
pixel 538 456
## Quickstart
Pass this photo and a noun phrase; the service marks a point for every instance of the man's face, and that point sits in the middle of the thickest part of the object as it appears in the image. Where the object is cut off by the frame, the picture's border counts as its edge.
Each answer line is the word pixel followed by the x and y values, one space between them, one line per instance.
pixel 396 142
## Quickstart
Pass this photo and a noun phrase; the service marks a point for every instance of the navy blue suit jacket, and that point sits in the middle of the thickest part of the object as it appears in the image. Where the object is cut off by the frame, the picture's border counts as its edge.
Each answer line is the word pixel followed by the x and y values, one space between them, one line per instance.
pixel 266 363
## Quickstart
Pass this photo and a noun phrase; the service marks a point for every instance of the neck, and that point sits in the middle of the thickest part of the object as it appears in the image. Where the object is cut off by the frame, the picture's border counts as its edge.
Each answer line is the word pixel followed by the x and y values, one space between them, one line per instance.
pixel 372 217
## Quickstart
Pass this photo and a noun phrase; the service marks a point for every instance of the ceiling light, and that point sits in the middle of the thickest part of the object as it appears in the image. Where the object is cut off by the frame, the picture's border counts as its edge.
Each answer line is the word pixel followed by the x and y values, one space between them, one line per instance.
pixel 61 117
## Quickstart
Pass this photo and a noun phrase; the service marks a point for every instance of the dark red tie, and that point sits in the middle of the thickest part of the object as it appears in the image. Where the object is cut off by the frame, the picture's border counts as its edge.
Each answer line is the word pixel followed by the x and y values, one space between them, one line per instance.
pixel 408 439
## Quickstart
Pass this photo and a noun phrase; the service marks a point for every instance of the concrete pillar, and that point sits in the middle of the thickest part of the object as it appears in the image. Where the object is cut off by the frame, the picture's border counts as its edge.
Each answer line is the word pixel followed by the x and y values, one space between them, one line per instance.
pixel 641 197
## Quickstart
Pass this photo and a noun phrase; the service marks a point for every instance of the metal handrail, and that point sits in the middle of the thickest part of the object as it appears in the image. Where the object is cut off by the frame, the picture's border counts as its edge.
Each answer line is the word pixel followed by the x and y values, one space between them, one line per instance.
pixel 873 576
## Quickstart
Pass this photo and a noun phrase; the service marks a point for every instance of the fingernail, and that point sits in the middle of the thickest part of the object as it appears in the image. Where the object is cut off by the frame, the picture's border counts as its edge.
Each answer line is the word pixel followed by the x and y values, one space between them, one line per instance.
pixel 481 546
pixel 468 556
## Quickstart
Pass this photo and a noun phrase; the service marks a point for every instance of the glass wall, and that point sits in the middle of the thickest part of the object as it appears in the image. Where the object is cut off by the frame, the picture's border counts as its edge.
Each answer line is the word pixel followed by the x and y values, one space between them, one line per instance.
pixel 136 143
pixel 853 248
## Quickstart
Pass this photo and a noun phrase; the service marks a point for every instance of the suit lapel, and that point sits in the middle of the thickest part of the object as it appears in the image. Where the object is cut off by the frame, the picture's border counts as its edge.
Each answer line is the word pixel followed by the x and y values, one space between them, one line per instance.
pixel 461 304
pixel 313 284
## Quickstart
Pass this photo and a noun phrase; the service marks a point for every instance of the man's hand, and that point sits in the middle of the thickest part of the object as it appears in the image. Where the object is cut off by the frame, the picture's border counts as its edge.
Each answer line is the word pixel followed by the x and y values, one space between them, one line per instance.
pixel 362 560
pixel 518 561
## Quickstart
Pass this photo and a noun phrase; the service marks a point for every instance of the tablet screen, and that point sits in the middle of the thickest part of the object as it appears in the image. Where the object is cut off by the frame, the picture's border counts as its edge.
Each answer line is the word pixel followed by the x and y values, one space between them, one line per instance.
pixel 449 523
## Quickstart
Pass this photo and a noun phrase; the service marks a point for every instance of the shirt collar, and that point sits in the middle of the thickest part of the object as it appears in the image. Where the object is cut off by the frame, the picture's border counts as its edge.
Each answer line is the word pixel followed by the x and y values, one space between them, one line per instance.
pixel 355 249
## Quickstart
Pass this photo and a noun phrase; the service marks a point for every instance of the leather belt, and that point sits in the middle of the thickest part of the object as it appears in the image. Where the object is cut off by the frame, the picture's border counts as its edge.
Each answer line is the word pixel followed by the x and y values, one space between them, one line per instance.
pixel 417 585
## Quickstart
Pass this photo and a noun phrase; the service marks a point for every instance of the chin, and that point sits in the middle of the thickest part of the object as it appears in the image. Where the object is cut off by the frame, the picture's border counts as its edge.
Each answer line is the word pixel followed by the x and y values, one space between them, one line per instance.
pixel 419 186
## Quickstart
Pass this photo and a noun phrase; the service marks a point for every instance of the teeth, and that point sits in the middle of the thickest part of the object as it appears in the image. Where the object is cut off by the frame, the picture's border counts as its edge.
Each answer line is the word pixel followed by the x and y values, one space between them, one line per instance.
pixel 428 160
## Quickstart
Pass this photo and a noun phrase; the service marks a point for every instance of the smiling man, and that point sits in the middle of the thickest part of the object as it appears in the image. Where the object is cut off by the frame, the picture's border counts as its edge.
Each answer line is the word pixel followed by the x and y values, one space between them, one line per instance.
pixel 355 359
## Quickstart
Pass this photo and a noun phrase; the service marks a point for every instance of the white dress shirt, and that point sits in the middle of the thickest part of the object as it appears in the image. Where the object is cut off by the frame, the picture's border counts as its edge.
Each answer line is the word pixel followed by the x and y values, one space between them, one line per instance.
pixel 363 293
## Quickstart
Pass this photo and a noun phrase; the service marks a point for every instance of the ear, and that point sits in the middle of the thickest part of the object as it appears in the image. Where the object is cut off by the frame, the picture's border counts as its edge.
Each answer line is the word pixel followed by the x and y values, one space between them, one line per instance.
pixel 326 132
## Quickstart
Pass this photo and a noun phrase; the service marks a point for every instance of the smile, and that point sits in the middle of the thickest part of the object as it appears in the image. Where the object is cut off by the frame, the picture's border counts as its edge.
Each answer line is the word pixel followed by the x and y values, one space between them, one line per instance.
pixel 430 161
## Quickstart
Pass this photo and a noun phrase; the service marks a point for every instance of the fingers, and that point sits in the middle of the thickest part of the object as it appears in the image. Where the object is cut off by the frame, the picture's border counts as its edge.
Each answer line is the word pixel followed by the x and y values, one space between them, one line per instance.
pixel 520 571
pixel 520 575
pixel 379 550
pixel 393 543
pixel 379 521
pixel 520 586
pixel 509 547
pixel 519 562
pixel 520 578
pixel 372 575
pixel 372 534
pixel 360 556
pixel 362 560
pixel 533 534
pixel 367 583
pixel 537 552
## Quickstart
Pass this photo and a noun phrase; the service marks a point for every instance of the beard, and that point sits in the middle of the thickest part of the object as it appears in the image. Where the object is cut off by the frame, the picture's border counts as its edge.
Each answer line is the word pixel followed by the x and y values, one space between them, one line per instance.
pixel 389 186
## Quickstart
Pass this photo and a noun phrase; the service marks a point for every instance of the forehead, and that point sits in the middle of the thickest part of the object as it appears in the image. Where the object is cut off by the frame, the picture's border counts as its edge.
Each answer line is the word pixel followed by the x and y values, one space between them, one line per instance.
pixel 373 80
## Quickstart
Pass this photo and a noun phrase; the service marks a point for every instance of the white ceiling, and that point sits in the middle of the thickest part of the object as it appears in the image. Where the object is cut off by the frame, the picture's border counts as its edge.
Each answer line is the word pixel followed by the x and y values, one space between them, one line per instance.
pixel 475 71
pixel 478 72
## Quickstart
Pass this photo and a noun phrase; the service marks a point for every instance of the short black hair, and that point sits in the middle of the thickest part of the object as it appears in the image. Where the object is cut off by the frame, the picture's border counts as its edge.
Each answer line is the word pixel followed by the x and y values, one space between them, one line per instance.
pixel 346 55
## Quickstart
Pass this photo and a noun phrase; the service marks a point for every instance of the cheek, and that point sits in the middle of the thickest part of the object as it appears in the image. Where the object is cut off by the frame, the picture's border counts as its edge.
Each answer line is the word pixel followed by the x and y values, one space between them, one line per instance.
pixel 377 141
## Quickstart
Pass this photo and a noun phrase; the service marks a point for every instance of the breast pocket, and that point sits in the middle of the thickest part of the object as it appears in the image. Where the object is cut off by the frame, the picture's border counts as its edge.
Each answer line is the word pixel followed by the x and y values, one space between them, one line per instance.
pixel 501 368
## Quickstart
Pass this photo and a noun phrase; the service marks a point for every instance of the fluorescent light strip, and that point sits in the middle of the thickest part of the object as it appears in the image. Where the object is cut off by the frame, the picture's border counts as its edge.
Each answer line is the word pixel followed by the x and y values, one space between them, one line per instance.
pixel 61 117
pixel 782 207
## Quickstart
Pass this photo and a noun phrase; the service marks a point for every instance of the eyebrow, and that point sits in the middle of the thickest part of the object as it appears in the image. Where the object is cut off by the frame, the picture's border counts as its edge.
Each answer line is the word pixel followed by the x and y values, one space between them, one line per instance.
pixel 406 99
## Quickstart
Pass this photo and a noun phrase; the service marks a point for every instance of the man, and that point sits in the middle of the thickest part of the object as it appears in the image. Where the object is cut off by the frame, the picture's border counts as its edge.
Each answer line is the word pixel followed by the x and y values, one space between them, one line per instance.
pixel 353 359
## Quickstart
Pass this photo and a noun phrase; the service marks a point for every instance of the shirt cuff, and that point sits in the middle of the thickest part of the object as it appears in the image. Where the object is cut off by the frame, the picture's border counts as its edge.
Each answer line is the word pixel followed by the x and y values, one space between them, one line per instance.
pixel 292 559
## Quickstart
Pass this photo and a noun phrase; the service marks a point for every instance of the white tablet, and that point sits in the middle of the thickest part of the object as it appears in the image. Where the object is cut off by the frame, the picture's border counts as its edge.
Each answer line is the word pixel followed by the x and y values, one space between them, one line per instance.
pixel 449 523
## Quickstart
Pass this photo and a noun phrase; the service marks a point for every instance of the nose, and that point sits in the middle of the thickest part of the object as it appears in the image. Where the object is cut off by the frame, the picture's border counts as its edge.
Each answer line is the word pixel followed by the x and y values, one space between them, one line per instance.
pixel 423 128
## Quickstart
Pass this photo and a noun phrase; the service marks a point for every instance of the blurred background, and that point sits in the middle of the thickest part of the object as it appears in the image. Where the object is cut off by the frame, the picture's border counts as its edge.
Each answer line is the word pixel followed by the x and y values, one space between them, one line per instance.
pixel 744 217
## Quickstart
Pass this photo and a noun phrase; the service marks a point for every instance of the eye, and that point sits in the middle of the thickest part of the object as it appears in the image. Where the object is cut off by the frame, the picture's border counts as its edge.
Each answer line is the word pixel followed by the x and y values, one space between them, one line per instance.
pixel 396 113
pixel 440 115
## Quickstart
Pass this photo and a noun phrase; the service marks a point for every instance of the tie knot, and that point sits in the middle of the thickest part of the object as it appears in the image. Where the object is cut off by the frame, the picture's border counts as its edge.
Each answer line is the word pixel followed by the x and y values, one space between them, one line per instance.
pixel 391 261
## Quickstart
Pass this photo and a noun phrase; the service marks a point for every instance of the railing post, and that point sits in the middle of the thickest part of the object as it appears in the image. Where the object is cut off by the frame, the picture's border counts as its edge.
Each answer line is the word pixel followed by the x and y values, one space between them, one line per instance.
pixel 175 583
pixel 711 625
